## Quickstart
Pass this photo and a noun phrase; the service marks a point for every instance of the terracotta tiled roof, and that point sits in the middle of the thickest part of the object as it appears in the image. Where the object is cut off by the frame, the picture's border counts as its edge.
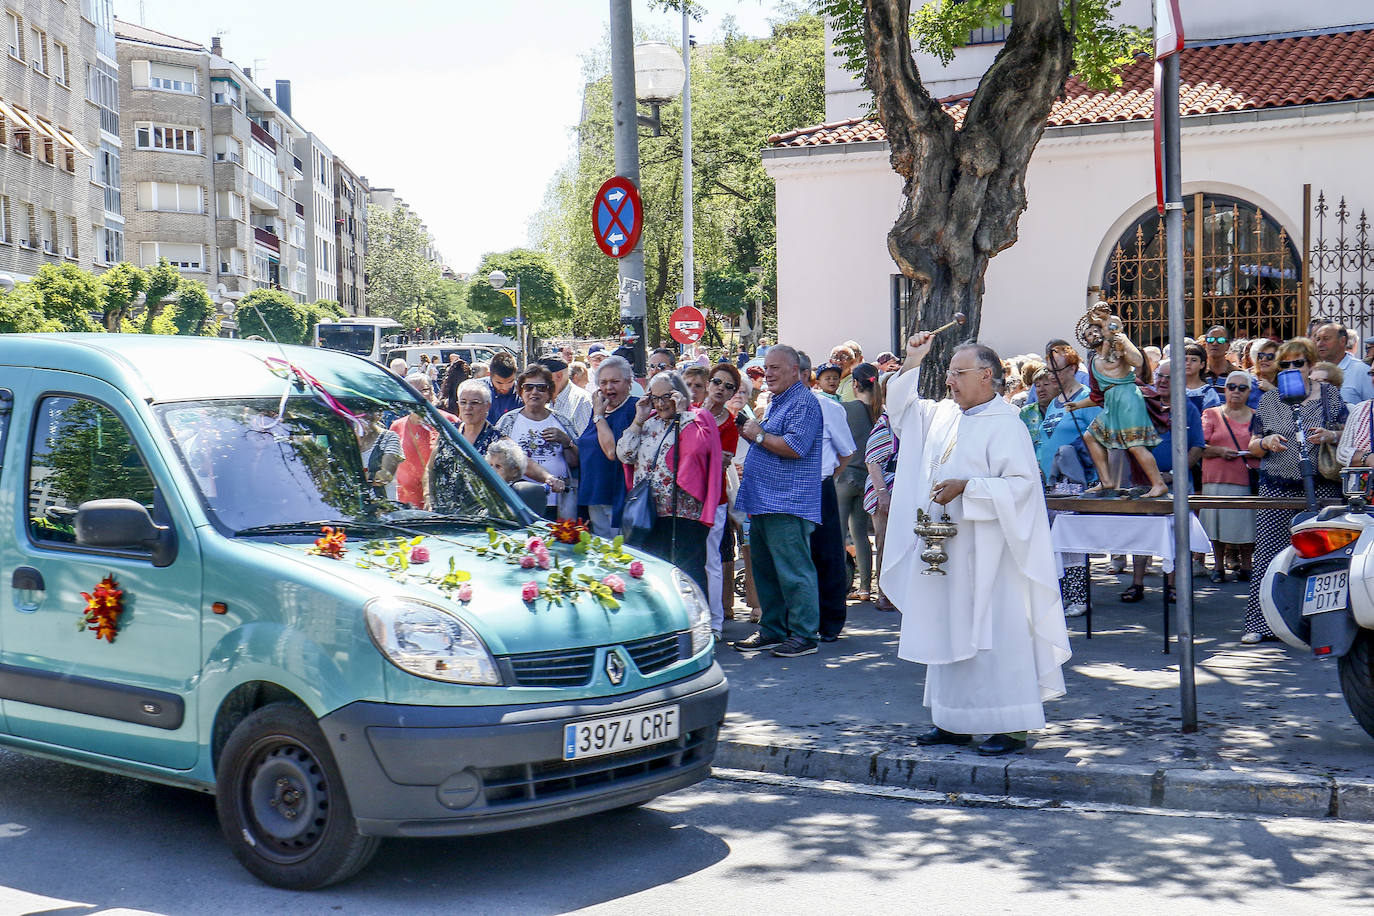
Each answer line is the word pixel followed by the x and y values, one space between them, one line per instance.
pixel 1242 76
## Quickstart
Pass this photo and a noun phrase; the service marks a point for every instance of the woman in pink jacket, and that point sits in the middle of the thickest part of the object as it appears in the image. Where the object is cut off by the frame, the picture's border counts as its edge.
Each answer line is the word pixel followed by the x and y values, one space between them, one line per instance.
pixel 677 447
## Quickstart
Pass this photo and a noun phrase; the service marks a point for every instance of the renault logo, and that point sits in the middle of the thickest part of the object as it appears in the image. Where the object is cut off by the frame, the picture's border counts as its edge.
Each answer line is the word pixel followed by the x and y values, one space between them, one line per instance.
pixel 615 667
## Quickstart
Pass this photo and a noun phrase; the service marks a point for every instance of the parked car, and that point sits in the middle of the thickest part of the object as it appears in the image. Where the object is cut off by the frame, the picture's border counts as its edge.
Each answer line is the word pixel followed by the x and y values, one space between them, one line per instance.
pixel 470 353
pixel 207 589
pixel 1318 593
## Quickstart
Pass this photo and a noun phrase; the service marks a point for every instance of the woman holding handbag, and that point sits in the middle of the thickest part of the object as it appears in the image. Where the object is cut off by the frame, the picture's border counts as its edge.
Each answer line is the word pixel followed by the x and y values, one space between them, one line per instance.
pixel 674 450
pixel 1229 470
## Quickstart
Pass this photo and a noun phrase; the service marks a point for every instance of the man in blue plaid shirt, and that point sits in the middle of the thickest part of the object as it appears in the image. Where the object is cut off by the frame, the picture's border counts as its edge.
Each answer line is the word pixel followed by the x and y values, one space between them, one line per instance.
pixel 781 492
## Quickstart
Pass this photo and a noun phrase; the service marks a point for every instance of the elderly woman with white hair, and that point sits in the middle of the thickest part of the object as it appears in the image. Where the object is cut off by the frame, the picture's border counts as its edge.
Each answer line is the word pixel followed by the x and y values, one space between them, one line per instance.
pixel 1229 470
pixel 602 488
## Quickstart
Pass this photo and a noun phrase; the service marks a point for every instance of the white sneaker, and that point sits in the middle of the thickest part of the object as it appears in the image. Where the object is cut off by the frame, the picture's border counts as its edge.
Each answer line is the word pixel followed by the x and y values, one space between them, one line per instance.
pixel 1076 610
pixel 1118 565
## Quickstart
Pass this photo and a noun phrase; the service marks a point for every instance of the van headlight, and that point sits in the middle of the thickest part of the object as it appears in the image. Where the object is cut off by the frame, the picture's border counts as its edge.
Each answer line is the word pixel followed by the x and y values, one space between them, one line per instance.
pixel 698 611
pixel 428 641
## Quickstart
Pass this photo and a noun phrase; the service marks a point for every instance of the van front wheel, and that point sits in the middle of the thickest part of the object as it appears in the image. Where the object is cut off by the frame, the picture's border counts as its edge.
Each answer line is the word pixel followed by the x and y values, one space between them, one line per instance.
pixel 282 804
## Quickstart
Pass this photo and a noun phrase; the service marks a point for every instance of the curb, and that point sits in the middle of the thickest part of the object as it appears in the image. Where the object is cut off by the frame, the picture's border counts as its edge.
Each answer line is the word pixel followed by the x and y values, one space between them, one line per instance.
pixel 1264 792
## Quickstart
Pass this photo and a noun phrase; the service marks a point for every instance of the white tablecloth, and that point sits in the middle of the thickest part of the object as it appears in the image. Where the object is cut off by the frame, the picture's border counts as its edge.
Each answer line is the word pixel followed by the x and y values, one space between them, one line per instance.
pixel 1151 535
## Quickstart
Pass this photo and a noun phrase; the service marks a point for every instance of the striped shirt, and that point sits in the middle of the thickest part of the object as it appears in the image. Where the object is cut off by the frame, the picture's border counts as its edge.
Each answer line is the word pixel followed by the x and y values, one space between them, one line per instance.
pixel 790 486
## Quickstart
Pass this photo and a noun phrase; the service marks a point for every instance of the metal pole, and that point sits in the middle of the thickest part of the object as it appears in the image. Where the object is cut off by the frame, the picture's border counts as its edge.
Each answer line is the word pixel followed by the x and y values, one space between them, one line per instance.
pixel 1178 394
pixel 633 305
pixel 688 268
pixel 520 325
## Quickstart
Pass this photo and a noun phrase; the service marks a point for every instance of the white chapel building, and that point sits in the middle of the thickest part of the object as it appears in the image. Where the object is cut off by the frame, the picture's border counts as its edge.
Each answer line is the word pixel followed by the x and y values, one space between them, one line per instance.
pixel 1277 101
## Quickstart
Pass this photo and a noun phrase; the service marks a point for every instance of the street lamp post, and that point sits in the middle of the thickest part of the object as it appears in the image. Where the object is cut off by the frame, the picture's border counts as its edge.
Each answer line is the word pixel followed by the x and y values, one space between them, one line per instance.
pixel 497 279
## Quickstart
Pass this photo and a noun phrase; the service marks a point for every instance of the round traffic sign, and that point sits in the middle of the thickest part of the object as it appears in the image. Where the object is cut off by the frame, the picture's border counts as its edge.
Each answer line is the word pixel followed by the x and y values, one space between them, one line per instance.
pixel 617 217
pixel 687 324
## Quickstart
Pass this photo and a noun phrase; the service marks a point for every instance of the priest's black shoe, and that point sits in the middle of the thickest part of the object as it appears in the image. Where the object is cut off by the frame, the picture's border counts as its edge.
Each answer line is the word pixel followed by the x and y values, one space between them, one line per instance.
pixel 1001 744
pixel 938 735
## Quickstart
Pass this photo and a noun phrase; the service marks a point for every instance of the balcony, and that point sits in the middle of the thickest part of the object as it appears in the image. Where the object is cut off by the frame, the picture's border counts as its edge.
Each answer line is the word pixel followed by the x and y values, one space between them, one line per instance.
pixel 269 194
pixel 261 135
pixel 267 239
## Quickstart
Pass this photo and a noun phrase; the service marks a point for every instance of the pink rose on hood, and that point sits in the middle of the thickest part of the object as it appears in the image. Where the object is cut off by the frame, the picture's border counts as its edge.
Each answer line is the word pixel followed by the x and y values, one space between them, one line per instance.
pixel 530 591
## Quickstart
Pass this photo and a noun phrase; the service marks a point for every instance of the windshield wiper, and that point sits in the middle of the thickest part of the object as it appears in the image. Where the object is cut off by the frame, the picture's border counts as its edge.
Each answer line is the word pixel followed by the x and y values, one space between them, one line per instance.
pixel 308 527
pixel 456 519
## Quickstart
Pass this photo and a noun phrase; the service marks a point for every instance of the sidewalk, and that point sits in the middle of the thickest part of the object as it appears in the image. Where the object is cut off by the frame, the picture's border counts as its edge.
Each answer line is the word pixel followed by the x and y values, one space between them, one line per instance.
pixel 1274 734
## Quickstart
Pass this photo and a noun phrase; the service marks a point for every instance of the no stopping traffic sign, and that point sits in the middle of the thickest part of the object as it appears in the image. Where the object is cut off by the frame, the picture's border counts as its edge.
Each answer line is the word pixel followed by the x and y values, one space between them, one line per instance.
pixel 617 217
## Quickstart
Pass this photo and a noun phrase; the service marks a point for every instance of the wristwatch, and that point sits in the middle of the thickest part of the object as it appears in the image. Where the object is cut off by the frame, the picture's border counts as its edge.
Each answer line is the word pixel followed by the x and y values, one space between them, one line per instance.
pixel 758 440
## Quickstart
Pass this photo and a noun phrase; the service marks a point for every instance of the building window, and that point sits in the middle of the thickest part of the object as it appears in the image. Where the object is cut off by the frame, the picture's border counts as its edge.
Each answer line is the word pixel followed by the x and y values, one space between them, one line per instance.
pixel 49 151
pixel 994 33
pixel 73 238
pixel 224 92
pixel 235 265
pixel 60 65
pixel 38 50
pixel 28 229
pixel 167 77
pixel 172 198
pixel 185 257
pixel 102 88
pixel 6 220
pixel 228 149
pixel 21 141
pixel 50 232
pixel 107 176
pixel 15 29
pixel 111 244
pixel 166 137
pixel 230 205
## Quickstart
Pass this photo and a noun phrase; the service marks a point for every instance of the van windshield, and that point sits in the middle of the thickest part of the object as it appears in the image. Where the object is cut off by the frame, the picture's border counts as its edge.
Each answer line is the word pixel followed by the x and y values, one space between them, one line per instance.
pixel 255 468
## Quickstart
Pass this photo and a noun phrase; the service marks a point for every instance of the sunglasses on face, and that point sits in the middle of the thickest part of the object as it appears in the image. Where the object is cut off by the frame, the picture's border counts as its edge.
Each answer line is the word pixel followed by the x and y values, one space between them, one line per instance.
pixel 724 383
pixel 1215 340
pixel 534 386
pixel 1237 387
pixel 660 367
pixel 1266 357
pixel 1292 363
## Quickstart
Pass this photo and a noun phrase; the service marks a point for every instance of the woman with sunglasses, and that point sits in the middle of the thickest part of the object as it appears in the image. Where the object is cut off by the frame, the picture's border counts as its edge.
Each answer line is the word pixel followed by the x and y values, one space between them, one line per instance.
pixel 1322 415
pixel 546 436
pixel 1264 359
pixel 677 448
pixel 722 401
pixel 1226 467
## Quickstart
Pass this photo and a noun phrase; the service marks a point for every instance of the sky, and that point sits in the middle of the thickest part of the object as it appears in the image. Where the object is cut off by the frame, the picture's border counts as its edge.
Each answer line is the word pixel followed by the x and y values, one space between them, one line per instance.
pixel 465 107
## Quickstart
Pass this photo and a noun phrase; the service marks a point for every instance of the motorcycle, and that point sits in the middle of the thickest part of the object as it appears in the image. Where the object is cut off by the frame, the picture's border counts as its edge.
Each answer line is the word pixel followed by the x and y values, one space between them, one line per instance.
pixel 1318 594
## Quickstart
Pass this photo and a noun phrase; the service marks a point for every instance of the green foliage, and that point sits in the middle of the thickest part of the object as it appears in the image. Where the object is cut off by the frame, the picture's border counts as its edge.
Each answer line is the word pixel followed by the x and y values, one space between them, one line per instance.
pixel 399 275
pixel 163 281
pixel 1101 46
pixel 286 320
pixel 91 456
pixel 120 285
pixel 545 298
pixel 453 313
pixel 68 296
pixel 726 292
pixel 21 312
pixel 194 312
pixel 743 91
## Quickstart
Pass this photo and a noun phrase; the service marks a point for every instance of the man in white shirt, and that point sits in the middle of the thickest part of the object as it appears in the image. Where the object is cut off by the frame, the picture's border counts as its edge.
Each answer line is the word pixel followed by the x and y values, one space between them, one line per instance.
pixel 827 540
pixel 1332 341
pixel 574 403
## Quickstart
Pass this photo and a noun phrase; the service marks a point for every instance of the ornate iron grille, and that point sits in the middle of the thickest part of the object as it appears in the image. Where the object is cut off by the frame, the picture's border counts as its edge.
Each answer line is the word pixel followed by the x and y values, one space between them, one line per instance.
pixel 1242 272
pixel 1341 267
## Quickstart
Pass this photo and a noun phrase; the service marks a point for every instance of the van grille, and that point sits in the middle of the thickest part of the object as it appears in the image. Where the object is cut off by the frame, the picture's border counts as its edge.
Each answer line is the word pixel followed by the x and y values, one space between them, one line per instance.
pixel 573 667
pixel 548 780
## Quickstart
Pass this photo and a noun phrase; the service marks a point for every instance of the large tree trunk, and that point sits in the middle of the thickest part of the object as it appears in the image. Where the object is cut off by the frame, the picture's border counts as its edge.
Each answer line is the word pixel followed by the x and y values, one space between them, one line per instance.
pixel 965 188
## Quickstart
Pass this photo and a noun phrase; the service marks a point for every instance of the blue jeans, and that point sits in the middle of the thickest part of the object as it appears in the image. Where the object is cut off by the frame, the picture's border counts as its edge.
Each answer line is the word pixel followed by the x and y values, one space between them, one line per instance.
pixel 784 576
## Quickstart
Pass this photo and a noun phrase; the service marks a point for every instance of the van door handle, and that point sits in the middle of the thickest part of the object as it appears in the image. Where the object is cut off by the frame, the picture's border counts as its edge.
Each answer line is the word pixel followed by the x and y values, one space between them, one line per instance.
pixel 26 577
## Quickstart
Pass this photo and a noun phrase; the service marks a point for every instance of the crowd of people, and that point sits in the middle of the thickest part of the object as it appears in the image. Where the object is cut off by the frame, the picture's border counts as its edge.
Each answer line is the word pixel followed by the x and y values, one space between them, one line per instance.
pixel 771 475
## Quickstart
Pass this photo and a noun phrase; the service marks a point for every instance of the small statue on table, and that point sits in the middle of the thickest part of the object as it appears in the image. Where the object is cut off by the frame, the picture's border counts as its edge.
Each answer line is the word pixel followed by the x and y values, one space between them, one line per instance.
pixel 1125 421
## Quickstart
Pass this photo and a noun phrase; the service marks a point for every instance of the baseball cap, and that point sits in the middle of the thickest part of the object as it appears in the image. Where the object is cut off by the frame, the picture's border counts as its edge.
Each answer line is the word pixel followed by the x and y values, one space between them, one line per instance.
pixel 1369 341
pixel 553 363
pixel 827 367
pixel 595 348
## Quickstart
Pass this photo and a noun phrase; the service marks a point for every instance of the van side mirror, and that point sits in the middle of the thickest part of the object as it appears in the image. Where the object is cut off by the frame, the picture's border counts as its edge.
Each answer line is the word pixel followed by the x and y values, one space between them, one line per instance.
pixel 122 524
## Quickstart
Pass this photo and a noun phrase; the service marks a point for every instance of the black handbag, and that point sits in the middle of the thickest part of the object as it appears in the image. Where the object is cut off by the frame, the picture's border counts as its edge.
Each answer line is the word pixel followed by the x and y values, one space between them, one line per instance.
pixel 640 513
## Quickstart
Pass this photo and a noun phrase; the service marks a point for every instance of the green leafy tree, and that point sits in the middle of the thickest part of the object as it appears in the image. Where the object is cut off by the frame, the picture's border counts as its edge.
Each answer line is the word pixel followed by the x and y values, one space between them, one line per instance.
pixel 21 312
pixel 743 90
pixel 545 298
pixel 193 312
pixel 273 315
pixel 163 282
pixel 453 314
pixel 399 274
pixel 119 286
pixel 68 295
pixel 965 187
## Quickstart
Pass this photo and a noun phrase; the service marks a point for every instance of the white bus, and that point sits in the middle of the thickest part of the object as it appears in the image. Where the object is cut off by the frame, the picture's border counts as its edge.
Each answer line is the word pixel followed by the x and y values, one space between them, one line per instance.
pixel 361 336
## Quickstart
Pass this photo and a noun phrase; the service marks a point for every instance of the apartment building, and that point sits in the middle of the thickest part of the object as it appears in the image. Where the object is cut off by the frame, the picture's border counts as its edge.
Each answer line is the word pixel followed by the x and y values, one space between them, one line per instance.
pixel 209 168
pixel 350 237
pixel 59 155
pixel 315 190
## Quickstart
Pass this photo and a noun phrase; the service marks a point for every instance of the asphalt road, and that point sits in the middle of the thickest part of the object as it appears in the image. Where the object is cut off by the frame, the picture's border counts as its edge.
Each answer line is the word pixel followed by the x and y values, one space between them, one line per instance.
pixel 77 842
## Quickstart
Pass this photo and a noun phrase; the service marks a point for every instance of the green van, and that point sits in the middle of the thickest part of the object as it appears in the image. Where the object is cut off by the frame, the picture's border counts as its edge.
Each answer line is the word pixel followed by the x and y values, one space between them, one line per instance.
pixel 208 589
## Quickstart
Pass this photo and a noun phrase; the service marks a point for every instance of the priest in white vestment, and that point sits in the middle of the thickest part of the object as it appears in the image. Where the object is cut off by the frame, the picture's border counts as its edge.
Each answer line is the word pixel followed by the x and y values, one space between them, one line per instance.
pixel 992 630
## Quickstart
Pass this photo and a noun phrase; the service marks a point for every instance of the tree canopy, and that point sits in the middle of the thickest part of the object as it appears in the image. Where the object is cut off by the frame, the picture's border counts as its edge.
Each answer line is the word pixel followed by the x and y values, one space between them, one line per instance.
pixel 399 272
pixel 545 299
pixel 743 90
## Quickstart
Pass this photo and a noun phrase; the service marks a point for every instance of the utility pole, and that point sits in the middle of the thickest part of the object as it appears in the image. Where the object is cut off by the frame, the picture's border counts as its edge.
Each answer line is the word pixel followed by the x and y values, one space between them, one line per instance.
pixel 633 303
pixel 689 293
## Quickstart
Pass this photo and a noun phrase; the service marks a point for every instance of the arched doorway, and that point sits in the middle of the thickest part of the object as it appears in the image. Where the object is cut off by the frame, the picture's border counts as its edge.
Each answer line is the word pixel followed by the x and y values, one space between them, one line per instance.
pixel 1241 271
